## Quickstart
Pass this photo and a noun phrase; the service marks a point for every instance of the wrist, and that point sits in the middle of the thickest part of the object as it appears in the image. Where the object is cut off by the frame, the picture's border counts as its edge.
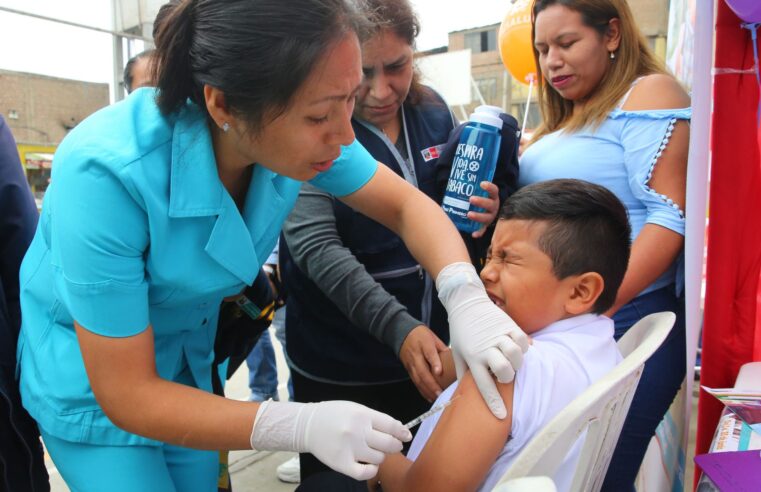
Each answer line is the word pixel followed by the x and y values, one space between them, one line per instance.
pixel 280 426
pixel 403 324
pixel 457 278
pixel 454 273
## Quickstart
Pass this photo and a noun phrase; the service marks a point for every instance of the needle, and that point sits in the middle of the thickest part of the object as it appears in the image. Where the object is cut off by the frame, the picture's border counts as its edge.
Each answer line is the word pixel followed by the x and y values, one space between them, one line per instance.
pixel 435 409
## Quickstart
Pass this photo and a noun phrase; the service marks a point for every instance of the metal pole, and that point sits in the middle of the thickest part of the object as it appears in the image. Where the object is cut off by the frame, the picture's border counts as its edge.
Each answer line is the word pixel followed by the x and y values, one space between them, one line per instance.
pixel 118 47
pixel 478 91
pixel 76 24
pixel 505 86
pixel 528 103
pixel 697 187
pixel 463 113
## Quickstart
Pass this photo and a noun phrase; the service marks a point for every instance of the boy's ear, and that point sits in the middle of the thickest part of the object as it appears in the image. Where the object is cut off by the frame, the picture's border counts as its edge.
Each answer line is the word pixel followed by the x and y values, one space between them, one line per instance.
pixel 585 290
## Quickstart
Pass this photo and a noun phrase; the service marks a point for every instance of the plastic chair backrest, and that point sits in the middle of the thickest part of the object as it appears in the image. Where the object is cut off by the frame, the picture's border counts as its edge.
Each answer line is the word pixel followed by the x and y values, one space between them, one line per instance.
pixel 599 411
pixel 527 484
pixel 749 377
pixel 633 337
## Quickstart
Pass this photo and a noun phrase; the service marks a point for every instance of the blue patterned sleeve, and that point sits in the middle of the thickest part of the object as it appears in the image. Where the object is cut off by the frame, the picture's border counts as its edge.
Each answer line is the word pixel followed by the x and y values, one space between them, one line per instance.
pixel 644 136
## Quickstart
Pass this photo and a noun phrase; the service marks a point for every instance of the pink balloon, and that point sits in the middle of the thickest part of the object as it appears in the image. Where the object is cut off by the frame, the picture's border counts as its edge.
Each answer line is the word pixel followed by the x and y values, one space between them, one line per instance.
pixel 747 10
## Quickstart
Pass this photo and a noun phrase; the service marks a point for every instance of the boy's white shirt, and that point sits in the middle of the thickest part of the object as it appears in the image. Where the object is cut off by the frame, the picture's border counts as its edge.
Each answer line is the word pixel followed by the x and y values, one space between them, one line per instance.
pixel 565 359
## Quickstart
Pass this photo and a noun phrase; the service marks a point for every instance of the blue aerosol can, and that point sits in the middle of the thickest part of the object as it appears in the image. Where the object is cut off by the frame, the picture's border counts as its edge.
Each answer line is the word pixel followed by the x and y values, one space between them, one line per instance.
pixel 474 161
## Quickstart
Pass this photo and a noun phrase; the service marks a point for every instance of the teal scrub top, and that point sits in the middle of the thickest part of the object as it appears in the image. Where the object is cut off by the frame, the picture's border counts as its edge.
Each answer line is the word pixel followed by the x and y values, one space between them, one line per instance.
pixel 137 229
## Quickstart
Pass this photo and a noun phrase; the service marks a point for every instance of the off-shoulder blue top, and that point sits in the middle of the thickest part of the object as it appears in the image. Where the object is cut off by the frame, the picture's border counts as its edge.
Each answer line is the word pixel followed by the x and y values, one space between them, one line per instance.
pixel 621 155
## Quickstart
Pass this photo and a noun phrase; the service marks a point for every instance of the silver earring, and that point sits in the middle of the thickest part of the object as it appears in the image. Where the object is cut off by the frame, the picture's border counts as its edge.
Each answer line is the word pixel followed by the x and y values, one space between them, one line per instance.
pixel 612 55
pixel 225 127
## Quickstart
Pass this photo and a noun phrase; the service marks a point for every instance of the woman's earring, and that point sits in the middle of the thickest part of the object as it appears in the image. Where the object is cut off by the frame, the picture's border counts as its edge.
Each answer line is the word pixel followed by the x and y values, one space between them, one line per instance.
pixel 225 127
pixel 612 55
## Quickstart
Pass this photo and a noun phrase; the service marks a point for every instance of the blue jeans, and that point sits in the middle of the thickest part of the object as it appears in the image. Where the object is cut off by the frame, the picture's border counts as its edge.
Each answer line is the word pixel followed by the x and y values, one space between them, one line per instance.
pixel 660 382
pixel 262 369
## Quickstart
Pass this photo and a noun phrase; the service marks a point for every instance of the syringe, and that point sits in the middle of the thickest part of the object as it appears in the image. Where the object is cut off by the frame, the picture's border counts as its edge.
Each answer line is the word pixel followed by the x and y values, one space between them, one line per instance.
pixel 435 409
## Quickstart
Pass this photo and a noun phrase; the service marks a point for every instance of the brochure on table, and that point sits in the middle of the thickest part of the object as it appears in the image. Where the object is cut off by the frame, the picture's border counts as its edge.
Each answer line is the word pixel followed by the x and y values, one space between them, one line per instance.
pixel 745 404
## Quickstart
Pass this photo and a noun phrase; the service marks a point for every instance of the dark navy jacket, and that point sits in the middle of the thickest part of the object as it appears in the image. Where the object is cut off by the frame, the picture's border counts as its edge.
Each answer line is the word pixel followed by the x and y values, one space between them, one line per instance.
pixel 321 341
pixel 21 461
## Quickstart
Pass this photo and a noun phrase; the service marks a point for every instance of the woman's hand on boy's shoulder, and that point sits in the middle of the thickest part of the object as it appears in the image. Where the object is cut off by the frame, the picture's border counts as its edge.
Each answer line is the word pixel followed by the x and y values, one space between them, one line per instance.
pixel 420 355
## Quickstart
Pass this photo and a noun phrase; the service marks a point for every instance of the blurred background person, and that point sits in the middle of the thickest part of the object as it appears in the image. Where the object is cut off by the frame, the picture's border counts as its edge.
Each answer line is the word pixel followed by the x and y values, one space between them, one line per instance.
pixel 138 72
pixel 22 465
pixel 262 366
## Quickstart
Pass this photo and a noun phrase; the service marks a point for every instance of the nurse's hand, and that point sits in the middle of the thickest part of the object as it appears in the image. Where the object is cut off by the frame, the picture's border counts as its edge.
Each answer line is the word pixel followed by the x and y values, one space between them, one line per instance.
pixel 348 437
pixel 484 339
pixel 420 355
pixel 490 205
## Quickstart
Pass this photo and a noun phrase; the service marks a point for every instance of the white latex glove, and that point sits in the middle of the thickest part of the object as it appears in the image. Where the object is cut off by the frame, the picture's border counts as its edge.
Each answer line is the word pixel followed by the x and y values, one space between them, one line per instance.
pixel 348 437
pixel 483 337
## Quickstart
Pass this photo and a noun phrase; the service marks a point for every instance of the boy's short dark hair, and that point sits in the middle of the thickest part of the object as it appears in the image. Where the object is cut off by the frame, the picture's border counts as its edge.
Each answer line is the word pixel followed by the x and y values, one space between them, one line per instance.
pixel 587 230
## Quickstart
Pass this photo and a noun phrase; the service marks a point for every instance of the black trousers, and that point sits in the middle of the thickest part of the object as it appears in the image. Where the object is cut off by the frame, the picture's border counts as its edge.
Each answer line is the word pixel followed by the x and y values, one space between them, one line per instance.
pixel 331 481
pixel 22 464
pixel 399 400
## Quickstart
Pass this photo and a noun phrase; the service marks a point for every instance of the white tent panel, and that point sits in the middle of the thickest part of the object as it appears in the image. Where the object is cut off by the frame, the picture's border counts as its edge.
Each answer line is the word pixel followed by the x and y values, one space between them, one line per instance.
pixel 133 15
pixel 449 74
pixel 95 13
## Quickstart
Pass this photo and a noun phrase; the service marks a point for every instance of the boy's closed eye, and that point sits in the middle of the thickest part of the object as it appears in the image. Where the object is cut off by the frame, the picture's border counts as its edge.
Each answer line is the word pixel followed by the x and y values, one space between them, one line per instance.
pixel 504 256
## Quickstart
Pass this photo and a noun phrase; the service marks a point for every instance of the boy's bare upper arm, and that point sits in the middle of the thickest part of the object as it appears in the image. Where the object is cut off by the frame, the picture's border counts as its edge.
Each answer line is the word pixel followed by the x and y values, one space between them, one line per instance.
pixel 465 443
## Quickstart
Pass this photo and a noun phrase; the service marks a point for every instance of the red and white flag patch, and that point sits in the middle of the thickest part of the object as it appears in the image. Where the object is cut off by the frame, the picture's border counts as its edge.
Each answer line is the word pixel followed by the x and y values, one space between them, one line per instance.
pixel 432 153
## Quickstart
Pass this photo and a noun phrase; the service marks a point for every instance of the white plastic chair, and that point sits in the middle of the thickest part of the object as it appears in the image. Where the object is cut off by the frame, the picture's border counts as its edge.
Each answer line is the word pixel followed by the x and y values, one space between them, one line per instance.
pixel 749 377
pixel 599 411
pixel 527 484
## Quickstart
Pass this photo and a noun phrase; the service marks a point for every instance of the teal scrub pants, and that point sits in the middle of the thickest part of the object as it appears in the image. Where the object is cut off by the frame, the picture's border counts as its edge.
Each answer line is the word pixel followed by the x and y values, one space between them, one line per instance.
pixel 166 468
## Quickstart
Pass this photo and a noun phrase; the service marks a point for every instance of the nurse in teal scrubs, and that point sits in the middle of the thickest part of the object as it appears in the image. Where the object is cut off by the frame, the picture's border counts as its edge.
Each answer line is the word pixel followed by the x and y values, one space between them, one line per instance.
pixel 165 204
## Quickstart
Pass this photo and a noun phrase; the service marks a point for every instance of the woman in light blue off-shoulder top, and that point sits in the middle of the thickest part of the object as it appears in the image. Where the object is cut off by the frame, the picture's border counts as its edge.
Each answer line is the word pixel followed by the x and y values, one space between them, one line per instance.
pixel 613 116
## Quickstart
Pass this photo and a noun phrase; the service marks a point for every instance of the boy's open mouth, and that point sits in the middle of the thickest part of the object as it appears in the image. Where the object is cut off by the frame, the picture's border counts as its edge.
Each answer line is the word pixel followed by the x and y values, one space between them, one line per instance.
pixel 496 300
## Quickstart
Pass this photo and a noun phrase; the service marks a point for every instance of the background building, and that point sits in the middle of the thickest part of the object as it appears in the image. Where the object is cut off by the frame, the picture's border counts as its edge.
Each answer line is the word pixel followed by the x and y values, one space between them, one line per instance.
pixel 492 84
pixel 40 111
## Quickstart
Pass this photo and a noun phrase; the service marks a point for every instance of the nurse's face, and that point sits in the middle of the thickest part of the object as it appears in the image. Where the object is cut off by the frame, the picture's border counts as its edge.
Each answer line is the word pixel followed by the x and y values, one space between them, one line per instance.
pixel 307 137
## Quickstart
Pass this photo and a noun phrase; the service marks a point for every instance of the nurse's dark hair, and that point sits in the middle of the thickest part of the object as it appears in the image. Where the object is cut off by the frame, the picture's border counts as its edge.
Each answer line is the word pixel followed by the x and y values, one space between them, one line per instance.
pixel 257 52
pixel 587 230
pixel 162 15
pixel 399 17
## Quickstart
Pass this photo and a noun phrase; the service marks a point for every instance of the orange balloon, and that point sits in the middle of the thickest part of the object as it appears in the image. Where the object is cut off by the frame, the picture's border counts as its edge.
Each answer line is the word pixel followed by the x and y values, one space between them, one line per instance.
pixel 515 42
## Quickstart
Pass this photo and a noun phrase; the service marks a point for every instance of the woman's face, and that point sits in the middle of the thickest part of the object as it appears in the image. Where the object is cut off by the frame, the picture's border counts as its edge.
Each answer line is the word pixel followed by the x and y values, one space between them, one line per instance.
pixel 387 70
pixel 308 136
pixel 573 57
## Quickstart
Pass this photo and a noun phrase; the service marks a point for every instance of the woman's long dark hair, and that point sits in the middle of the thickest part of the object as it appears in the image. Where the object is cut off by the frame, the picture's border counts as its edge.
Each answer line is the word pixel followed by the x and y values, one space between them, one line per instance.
pixel 257 52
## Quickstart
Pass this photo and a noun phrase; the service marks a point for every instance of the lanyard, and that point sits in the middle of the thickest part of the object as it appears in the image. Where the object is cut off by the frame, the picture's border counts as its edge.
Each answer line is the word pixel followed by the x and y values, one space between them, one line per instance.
pixel 406 165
